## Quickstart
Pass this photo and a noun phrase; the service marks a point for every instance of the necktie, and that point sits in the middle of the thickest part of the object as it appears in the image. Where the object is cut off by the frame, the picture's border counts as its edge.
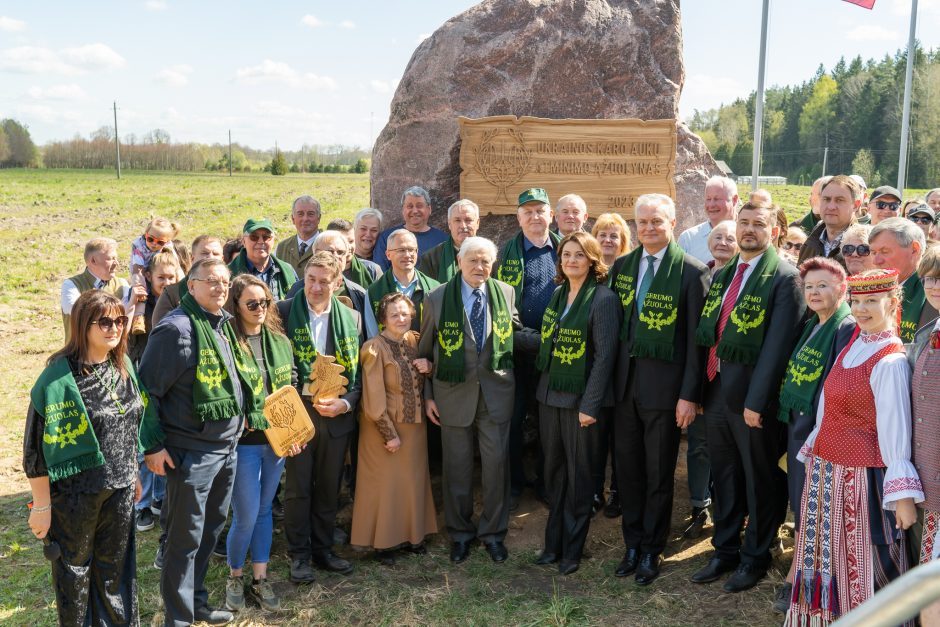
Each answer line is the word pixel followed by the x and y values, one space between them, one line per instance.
pixel 302 248
pixel 731 297
pixel 478 318
pixel 646 282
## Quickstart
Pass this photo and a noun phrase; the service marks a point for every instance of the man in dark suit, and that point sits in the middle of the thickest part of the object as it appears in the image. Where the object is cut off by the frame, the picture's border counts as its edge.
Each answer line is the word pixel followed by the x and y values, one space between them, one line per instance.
pixel 463 220
pixel 479 405
pixel 764 304
pixel 655 397
pixel 313 476
pixel 839 200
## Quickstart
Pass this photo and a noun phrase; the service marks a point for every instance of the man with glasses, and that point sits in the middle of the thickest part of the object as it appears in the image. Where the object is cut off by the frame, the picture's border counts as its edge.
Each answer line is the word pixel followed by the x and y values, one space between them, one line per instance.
pixel 884 203
pixel 924 217
pixel 839 199
pixel 256 258
pixel 403 276
pixel 101 266
pixel 305 215
pixel 190 372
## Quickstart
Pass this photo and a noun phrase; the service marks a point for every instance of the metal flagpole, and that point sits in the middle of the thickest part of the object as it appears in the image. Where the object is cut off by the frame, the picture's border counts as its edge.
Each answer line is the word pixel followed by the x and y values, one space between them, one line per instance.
pixel 759 109
pixel 908 88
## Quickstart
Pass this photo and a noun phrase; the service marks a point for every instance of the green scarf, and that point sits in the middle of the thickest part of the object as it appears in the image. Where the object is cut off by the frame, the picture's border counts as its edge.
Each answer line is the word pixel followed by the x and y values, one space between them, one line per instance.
pixel 744 334
pixel 911 308
pixel 213 388
pixel 285 278
pixel 386 284
pixel 657 329
pixel 563 352
pixel 345 338
pixel 450 331
pixel 69 444
pixel 512 267
pixel 448 267
pixel 804 372
pixel 359 273
pixel 278 359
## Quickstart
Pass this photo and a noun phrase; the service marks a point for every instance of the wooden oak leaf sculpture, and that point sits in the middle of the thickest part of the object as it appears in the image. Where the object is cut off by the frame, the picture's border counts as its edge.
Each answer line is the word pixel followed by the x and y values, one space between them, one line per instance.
pixel 326 378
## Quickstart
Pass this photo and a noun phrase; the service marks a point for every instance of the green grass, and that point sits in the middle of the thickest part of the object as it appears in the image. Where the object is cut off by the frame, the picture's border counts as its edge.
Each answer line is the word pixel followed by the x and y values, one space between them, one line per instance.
pixel 46 217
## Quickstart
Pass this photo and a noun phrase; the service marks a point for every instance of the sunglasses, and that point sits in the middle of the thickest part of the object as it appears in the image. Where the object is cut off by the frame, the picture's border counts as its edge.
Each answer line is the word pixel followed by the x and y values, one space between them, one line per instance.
pixel 257 237
pixel 920 219
pixel 106 324
pixel 153 240
pixel 253 305
pixel 890 206
pixel 862 250
pixel 793 245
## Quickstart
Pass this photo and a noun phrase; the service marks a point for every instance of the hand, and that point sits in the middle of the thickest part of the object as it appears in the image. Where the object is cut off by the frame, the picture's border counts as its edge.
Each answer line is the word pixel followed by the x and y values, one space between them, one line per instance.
pixel 753 419
pixel 296 449
pixel 585 420
pixel 158 462
pixel 905 513
pixel 138 294
pixel 430 407
pixel 685 413
pixel 422 365
pixel 138 491
pixel 393 445
pixel 39 522
pixel 330 408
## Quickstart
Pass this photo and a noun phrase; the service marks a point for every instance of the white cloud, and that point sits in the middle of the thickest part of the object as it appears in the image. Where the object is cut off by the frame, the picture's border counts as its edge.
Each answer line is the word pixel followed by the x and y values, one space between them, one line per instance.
pixel 347 24
pixel 93 57
pixel 175 75
pixel 311 20
pixel 422 37
pixel 69 92
pixel 37 60
pixel 278 71
pixel 380 87
pixel 703 92
pixel 11 25
pixel 155 5
pixel 872 32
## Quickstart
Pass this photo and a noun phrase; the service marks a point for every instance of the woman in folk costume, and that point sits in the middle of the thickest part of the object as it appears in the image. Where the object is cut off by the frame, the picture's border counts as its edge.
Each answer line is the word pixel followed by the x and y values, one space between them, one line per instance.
pixel 861 486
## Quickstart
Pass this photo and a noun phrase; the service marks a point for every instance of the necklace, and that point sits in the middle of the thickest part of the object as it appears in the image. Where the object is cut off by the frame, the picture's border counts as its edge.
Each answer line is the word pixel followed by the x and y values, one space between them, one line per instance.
pixel 111 385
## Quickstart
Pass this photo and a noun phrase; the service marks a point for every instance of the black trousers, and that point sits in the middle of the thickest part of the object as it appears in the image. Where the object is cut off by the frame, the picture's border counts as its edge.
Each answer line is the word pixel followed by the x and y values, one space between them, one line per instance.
pixel 605 449
pixel 748 481
pixel 95 581
pixel 527 378
pixel 198 494
pixel 646 449
pixel 311 494
pixel 570 451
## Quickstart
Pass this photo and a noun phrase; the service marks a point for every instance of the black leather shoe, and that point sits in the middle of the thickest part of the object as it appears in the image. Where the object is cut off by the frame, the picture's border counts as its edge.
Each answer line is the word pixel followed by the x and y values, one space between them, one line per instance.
pixel 417 549
pixel 697 523
pixel 213 617
pixel 301 571
pixel 546 558
pixel 330 561
pixel 648 569
pixel 497 551
pixel 745 577
pixel 715 568
pixel 627 565
pixel 613 508
pixel 597 505
pixel 459 552
pixel 566 567
pixel 385 558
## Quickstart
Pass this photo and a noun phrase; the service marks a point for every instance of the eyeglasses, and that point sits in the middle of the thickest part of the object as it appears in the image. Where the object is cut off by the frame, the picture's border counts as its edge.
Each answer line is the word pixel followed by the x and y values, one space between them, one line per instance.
pixel 258 237
pixel 793 245
pixel 930 282
pixel 404 251
pixel 216 284
pixel 920 219
pixel 862 250
pixel 153 240
pixel 106 324
pixel 890 206
pixel 253 305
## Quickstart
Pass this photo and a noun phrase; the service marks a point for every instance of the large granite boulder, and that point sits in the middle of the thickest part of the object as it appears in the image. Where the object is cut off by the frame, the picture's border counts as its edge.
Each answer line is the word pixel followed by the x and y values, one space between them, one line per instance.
pixel 545 58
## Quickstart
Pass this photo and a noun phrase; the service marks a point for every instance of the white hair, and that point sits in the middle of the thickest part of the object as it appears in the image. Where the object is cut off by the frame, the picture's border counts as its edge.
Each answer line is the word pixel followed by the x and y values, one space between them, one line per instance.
pixel 935 190
pixel 305 200
pixel 332 236
pixel 861 231
pixel 905 232
pixel 573 199
pixel 364 213
pixel 463 203
pixel 657 201
pixel 397 233
pixel 730 187
pixel 477 243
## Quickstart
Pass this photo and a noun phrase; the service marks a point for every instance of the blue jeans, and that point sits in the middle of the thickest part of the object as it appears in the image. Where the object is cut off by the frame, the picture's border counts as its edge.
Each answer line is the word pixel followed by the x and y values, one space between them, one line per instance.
pixel 153 487
pixel 257 474
pixel 699 466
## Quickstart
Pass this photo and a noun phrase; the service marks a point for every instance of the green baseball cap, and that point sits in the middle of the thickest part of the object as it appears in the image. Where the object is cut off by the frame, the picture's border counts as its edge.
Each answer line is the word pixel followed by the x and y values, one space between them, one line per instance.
pixel 533 194
pixel 253 225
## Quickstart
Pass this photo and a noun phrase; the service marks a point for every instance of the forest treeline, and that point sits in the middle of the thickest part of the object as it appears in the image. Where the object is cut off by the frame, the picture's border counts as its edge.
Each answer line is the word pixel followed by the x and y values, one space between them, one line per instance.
pixel 855 109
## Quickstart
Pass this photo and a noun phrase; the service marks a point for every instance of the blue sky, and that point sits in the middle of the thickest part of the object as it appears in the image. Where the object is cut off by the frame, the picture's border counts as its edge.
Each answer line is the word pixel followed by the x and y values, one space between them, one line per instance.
pixel 322 72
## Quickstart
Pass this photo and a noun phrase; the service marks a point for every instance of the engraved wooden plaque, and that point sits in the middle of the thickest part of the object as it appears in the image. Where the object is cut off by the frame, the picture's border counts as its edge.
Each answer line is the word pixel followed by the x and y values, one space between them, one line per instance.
pixel 609 163
pixel 288 420
pixel 326 379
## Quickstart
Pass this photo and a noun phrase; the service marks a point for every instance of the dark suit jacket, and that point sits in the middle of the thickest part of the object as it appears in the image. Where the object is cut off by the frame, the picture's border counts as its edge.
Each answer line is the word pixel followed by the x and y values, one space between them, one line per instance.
pixel 813 247
pixel 915 348
pixel 660 384
pixel 603 325
pixel 344 423
pixel 757 387
pixel 430 262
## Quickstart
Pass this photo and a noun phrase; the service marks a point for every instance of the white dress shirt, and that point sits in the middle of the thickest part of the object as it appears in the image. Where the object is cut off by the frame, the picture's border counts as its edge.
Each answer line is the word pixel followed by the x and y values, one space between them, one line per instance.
pixel 694 241
pixel 644 263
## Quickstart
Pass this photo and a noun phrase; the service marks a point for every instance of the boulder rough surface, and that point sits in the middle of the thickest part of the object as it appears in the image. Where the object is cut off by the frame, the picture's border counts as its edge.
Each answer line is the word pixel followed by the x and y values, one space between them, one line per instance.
pixel 557 59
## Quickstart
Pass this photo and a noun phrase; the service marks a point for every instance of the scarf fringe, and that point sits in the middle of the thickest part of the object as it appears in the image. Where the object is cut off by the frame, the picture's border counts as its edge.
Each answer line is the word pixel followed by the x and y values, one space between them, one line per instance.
pixel 738 354
pixel 653 350
pixel 257 421
pixel 75 465
pixel 790 402
pixel 451 374
pixel 505 362
pixel 705 337
pixel 560 383
pixel 222 409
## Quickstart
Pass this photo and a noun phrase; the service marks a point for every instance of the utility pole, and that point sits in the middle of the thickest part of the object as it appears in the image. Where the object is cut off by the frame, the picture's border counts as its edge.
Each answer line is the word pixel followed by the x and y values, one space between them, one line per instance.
pixel 117 143
pixel 303 158
pixel 825 156
pixel 759 109
pixel 371 128
pixel 230 152
pixel 908 87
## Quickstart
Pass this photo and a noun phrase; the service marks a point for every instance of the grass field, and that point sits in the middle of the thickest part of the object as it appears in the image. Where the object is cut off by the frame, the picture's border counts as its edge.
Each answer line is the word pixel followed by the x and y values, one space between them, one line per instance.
pixel 45 218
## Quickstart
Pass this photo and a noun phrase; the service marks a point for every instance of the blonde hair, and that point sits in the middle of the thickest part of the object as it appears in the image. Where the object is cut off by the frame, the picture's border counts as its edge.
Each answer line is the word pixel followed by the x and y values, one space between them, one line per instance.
pixel 611 220
pixel 164 226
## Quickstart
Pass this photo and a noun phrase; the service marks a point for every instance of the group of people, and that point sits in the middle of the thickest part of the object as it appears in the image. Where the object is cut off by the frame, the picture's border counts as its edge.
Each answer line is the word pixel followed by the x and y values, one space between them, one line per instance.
pixel 786 361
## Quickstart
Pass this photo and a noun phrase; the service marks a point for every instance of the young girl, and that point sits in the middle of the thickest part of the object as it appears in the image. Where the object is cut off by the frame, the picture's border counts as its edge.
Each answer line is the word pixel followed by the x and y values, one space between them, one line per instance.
pixel 861 486
pixel 159 234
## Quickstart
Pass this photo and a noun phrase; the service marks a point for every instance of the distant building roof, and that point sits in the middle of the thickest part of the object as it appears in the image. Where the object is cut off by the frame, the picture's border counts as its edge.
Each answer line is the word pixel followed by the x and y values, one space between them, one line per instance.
pixel 724 168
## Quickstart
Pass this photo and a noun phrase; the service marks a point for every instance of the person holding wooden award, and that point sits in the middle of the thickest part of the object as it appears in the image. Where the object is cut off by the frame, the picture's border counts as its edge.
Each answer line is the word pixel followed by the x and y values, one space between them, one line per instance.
pixel 394 507
pixel 263 345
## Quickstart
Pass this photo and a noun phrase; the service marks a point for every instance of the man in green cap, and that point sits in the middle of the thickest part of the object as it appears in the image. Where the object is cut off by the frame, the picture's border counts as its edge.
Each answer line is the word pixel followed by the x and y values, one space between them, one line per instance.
pixel 256 258
pixel 527 264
